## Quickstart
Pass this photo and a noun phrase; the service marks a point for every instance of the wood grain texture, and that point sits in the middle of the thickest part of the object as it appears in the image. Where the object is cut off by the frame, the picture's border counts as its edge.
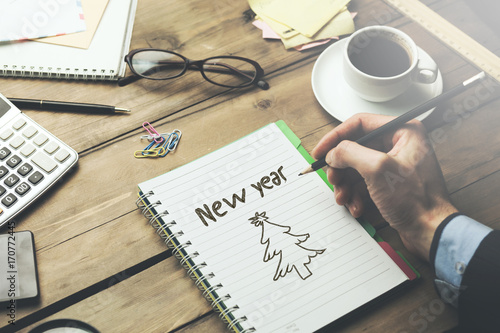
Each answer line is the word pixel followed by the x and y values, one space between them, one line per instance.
pixel 88 232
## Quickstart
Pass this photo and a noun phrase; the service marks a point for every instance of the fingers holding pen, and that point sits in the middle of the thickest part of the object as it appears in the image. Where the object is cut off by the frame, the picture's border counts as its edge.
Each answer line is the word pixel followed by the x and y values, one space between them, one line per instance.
pixel 350 189
pixel 355 168
pixel 342 191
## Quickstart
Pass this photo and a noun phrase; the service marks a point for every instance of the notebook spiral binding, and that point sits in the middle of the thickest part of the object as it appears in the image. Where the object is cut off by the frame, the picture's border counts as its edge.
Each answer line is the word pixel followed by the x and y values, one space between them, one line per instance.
pixel 186 259
pixel 58 73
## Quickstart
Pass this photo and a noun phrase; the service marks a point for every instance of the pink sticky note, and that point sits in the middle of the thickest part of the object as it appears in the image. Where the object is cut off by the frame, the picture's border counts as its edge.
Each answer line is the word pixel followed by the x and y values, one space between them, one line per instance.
pixel 267 32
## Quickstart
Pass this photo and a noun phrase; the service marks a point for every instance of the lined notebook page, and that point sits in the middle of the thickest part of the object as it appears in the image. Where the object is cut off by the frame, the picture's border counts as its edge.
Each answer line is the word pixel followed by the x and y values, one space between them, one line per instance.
pixel 285 252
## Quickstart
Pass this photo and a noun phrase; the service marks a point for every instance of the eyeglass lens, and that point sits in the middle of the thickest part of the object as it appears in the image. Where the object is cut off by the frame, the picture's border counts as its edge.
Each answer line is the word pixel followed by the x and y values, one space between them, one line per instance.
pixel 229 71
pixel 164 65
pixel 158 64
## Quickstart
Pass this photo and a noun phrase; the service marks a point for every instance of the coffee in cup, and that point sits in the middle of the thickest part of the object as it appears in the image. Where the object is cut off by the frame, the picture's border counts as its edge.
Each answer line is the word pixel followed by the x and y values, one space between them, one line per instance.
pixel 380 63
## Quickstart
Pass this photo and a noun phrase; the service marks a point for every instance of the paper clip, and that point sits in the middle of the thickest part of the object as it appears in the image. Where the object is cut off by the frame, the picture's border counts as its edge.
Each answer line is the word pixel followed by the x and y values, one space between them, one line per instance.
pixel 150 138
pixel 171 142
pixel 152 132
pixel 150 151
pixel 161 148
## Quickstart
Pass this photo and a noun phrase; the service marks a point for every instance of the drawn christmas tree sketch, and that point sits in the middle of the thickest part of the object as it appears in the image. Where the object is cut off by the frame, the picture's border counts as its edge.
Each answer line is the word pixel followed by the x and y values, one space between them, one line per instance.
pixel 280 242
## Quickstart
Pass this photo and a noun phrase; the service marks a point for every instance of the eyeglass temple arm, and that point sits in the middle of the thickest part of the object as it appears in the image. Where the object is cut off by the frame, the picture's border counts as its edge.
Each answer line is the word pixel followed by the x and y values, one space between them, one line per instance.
pixel 123 81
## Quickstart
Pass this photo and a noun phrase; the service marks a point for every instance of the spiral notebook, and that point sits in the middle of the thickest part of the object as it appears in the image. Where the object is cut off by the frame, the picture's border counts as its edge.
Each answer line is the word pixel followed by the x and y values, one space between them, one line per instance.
pixel 102 60
pixel 270 250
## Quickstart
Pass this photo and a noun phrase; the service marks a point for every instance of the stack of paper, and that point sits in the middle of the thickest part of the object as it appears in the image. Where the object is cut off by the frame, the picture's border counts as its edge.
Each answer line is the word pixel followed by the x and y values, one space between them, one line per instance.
pixel 94 10
pixel 301 24
pixel 23 19
pixel 70 23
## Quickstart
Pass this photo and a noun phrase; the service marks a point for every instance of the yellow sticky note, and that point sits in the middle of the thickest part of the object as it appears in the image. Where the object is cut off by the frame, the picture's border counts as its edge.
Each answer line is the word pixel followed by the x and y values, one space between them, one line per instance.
pixel 282 30
pixel 306 17
pixel 342 24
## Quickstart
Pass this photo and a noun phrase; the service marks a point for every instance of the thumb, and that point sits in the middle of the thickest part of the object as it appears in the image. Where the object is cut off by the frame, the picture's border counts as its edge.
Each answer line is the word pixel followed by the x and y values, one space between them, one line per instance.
pixel 351 154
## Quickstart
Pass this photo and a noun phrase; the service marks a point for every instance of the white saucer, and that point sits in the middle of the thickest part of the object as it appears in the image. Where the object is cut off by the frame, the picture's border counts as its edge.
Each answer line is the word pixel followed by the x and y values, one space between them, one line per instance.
pixel 340 100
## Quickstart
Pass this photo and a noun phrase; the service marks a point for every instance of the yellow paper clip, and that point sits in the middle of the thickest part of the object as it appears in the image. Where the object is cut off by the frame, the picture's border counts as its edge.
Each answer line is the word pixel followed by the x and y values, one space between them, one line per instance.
pixel 153 152
pixel 140 154
pixel 150 151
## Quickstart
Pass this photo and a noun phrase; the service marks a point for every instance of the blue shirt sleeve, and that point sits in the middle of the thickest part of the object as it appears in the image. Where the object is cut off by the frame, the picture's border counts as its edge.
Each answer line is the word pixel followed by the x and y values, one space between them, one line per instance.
pixel 458 241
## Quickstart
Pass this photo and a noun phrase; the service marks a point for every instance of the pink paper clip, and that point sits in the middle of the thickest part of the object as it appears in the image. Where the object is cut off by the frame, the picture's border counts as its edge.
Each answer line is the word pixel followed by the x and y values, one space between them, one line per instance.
pixel 151 130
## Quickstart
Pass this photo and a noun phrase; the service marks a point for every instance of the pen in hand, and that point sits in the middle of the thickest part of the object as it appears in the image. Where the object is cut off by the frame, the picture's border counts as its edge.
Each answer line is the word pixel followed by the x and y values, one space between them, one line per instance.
pixel 66 106
pixel 405 117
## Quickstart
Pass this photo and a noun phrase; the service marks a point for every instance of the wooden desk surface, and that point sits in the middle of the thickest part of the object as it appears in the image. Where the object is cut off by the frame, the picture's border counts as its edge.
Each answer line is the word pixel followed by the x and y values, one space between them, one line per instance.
pixel 98 259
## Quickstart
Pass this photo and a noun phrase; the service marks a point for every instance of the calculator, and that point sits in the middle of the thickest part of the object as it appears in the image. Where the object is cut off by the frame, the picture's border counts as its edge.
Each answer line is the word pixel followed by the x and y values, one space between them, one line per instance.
pixel 31 160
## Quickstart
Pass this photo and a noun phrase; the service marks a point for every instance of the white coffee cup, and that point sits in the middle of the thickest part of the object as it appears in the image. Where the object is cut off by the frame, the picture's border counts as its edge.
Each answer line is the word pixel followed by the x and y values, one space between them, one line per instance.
pixel 380 63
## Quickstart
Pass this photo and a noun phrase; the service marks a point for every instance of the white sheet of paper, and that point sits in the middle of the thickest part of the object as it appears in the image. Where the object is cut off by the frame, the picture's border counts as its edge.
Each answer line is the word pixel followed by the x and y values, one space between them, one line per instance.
pixel 329 264
pixel 93 11
pixel 23 19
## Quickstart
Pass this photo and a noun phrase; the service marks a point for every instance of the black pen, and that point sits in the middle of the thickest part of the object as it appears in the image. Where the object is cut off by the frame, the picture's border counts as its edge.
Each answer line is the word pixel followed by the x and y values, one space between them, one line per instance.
pixel 405 117
pixel 38 104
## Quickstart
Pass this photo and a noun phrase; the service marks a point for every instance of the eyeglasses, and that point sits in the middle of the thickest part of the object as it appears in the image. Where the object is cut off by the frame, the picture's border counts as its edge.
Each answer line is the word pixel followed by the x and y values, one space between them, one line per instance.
pixel 225 71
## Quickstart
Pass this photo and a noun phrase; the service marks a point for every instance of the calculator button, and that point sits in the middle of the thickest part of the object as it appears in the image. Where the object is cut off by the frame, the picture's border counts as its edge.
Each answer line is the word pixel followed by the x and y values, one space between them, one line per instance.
pixel 2 190
pixel 30 131
pixel 9 200
pixel 62 155
pixel 44 161
pixel 36 177
pixel 40 139
pixel 19 123
pixel 4 152
pixel 3 171
pixel 13 161
pixel 22 189
pixel 51 147
pixel 11 180
pixel 24 169
pixel 16 142
pixel 6 134
pixel 27 150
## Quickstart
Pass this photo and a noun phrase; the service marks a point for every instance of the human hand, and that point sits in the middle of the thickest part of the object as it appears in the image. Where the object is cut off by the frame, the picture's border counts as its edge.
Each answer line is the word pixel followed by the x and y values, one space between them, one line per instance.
pixel 399 173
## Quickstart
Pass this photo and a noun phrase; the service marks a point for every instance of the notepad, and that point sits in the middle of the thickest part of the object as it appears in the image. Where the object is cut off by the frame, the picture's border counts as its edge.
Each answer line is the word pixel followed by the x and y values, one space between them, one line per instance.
pixel 271 250
pixel 102 60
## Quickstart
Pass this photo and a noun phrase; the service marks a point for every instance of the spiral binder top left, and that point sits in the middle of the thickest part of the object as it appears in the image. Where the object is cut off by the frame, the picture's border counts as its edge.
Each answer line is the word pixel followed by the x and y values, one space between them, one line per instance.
pixel 103 60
